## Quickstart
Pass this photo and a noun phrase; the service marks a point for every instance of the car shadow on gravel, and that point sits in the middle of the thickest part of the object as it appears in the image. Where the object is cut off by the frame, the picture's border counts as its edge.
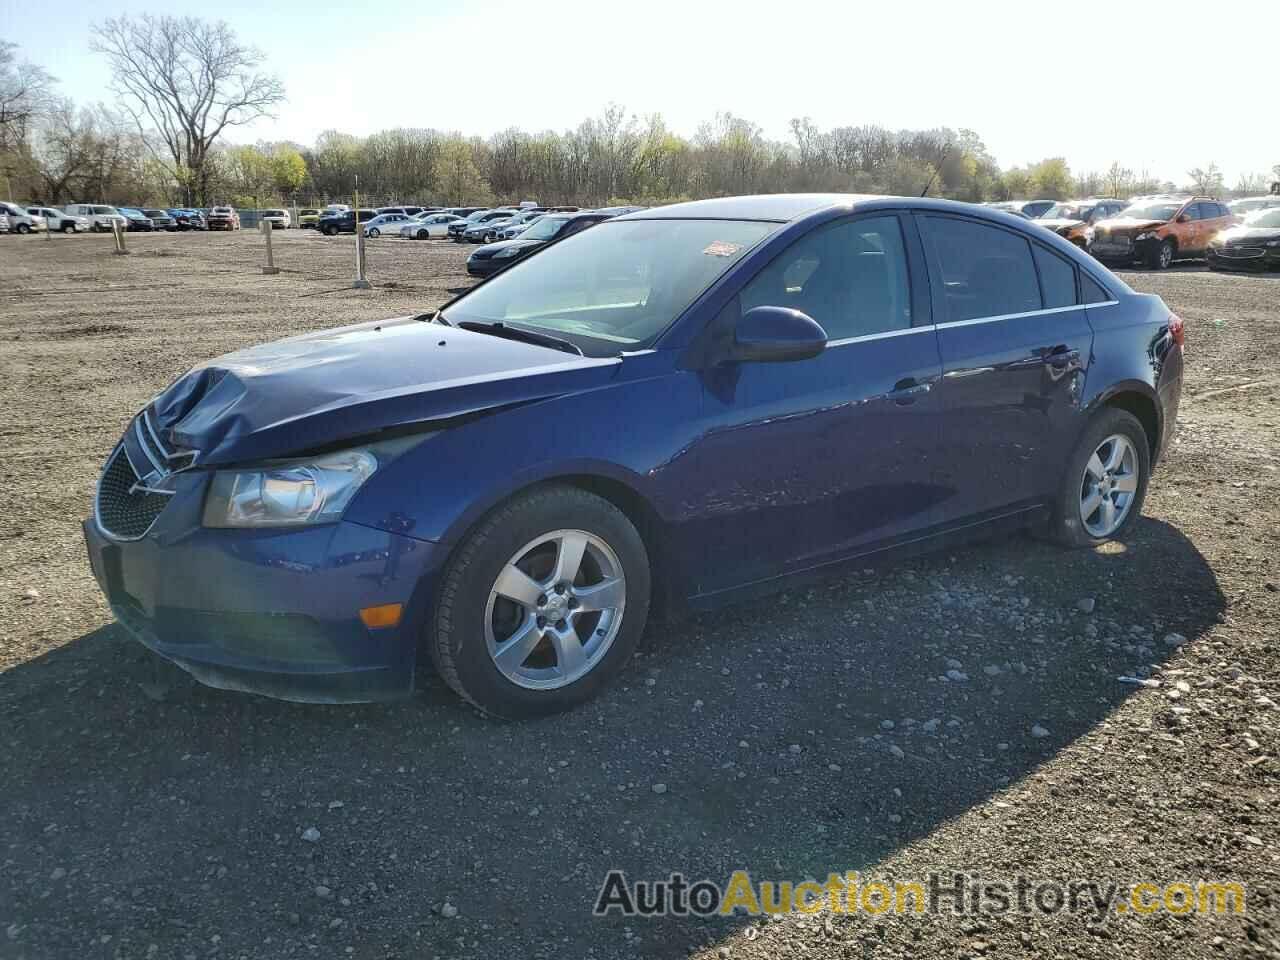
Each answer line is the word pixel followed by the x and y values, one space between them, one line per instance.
pixel 811 732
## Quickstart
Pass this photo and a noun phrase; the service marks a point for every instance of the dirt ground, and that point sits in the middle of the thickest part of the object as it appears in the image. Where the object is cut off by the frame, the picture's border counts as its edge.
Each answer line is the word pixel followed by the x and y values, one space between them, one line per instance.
pixel 816 732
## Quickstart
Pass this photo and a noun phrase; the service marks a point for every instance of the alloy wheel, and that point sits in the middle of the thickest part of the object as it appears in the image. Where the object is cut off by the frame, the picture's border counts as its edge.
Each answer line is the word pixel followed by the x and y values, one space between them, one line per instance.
pixel 555 609
pixel 1166 255
pixel 1109 486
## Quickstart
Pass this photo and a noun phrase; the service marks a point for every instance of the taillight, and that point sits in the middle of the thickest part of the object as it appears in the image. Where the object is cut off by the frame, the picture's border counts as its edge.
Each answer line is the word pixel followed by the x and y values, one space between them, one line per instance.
pixel 1175 329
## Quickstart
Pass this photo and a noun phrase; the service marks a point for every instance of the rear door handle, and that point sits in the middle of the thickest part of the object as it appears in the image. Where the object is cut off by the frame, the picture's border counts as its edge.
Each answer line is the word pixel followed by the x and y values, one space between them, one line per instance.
pixel 1059 356
pixel 906 391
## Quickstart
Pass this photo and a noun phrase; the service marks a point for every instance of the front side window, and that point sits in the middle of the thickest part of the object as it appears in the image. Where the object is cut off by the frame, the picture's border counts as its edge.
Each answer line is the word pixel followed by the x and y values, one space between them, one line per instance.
pixel 621 286
pixel 851 277
pixel 985 271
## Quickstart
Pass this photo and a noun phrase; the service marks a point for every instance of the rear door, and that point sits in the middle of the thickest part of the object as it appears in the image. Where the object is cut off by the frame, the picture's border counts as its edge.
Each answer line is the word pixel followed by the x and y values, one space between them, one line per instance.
pixel 1015 345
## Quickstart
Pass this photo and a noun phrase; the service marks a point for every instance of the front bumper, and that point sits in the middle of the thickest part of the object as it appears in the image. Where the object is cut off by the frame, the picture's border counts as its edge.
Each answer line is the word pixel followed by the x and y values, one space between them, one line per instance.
pixel 274 612
pixel 486 267
pixel 1257 257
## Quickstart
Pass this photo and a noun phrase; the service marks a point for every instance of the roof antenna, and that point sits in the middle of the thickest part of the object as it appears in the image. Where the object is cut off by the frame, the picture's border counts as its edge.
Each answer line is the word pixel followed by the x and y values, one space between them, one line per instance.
pixel 938 166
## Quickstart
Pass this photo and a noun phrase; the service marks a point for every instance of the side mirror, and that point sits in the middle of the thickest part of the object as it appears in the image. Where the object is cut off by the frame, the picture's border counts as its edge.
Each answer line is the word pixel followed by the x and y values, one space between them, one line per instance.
pixel 1184 218
pixel 776 334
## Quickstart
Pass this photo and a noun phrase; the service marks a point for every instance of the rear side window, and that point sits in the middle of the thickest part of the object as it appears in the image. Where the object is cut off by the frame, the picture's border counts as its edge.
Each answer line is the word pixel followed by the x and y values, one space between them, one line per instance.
pixel 851 277
pixel 1057 278
pixel 986 271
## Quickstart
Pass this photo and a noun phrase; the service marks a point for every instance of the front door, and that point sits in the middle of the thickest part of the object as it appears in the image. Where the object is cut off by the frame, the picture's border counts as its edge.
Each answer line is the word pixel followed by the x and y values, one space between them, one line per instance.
pixel 806 462
pixel 1015 345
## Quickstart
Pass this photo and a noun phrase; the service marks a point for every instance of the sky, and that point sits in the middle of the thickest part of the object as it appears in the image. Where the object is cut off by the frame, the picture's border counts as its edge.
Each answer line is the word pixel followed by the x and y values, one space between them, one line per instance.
pixel 1087 80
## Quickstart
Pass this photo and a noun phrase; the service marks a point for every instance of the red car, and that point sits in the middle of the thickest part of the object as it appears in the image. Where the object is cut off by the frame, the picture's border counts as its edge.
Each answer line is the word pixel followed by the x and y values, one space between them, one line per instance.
pixel 224 218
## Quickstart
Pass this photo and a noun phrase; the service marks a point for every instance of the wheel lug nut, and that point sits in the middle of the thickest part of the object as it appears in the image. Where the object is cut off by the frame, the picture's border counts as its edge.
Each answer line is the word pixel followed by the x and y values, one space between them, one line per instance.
pixel 542 599
pixel 560 588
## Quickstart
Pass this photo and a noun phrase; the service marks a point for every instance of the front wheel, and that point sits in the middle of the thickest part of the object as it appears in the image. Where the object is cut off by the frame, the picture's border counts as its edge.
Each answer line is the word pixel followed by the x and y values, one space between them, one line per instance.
pixel 372 233
pixel 22 228
pixel 423 235
pixel 1162 257
pixel 542 605
pixel 1106 481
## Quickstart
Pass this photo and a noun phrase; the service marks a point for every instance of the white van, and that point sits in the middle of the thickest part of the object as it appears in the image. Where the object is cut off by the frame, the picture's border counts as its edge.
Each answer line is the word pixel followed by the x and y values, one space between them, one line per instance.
pixel 55 219
pixel 100 216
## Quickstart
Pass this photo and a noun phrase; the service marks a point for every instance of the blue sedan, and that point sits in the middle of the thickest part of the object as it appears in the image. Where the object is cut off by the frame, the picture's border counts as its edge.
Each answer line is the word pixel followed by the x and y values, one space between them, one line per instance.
pixel 678 407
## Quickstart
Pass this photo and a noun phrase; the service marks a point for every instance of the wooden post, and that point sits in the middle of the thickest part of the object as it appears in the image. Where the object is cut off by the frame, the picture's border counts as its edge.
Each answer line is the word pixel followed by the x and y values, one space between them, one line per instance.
pixel 117 231
pixel 269 267
pixel 361 282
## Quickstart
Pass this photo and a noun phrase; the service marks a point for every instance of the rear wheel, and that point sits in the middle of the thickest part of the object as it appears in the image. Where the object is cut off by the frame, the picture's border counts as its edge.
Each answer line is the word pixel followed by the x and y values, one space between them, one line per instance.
pixel 1106 481
pixel 373 232
pixel 22 228
pixel 542 605
pixel 423 235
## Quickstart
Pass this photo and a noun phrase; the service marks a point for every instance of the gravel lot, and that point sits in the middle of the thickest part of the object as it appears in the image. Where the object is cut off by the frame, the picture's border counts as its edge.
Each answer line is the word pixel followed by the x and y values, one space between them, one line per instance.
pixel 809 733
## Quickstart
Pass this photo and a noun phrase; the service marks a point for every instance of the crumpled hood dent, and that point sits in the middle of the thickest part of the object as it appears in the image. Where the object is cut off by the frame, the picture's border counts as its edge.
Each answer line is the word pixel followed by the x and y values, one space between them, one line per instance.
pixel 321 388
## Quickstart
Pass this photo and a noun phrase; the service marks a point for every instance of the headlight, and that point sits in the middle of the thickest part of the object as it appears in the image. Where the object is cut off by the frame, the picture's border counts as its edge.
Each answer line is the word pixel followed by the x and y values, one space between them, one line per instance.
pixel 288 493
pixel 1272 243
pixel 506 253
pixel 1145 236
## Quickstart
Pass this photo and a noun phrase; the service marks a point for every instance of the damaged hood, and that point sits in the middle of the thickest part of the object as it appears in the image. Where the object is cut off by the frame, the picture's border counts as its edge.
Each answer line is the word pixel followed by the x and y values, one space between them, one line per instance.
pixel 322 388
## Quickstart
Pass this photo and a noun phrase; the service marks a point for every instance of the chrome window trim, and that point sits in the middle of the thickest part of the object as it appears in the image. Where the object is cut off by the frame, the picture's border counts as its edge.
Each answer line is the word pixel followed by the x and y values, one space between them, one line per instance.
pixel 885 335
pixel 1018 316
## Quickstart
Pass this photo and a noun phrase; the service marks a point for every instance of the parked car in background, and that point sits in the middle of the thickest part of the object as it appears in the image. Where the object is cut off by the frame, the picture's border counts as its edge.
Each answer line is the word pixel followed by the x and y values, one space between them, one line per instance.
pixel 333 208
pixel 407 211
pixel 805 381
pixel 308 219
pixel 59 220
pixel 335 223
pixel 388 223
pixel 506 229
pixel 1251 245
pixel 20 221
pixel 1249 204
pixel 279 219
pixel 428 225
pixel 160 219
pixel 1030 209
pixel 4 221
pixel 223 218
pixel 497 256
pixel 137 220
pixel 481 228
pixel 187 219
pixel 457 231
pixel 1156 232
pixel 1072 219
pixel 463 211
pixel 101 217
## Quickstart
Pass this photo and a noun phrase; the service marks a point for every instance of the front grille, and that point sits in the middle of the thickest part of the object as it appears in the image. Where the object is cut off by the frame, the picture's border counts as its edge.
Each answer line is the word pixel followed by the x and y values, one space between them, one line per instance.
pixel 122 511
pixel 1240 253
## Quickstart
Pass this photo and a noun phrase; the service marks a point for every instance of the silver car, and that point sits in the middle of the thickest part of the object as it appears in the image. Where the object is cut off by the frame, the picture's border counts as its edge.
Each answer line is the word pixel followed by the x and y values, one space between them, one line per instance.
pixel 20 221
pixel 388 223
pixel 428 226
pixel 517 225
pixel 55 219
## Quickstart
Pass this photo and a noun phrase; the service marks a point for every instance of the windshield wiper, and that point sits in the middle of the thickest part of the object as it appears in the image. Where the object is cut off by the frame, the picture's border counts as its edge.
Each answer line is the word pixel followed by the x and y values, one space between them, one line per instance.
pixel 499 329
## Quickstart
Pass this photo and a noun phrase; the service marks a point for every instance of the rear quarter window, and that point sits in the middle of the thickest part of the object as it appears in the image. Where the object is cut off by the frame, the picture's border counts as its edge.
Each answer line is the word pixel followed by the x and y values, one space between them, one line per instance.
pixel 1057 278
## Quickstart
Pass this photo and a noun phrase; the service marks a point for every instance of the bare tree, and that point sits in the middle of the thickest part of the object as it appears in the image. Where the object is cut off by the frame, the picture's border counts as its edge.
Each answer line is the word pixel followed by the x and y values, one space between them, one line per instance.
pixel 25 92
pixel 187 80
pixel 1207 180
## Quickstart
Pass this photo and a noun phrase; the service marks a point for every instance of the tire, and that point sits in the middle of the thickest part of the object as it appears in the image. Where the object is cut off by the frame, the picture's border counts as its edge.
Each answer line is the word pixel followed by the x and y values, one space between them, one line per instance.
pixel 1068 525
pixel 373 233
pixel 470 615
pixel 330 231
pixel 1162 256
pixel 22 228
pixel 422 235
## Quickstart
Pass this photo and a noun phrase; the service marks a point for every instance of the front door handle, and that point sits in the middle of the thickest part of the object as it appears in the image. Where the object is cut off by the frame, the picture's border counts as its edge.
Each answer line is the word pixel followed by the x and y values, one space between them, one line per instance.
pixel 907 390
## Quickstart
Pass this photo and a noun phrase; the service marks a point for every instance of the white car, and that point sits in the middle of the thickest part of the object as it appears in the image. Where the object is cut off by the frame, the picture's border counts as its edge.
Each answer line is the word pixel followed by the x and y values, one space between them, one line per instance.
pixel 279 219
pixel 20 221
pixel 100 217
pixel 389 223
pixel 428 225
pixel 55 219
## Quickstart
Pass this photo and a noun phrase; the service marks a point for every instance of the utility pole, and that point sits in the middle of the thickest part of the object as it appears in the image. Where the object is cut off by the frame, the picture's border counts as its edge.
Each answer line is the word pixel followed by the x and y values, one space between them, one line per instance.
pixel 361 282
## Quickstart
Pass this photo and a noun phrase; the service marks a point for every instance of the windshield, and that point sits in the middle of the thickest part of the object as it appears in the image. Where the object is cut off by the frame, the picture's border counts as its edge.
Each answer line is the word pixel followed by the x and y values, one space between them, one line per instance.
pixel 1066 211
pixel 544 229
pixel 1151 211
pixel 1264 218
pixel 621 283
pixel 273 213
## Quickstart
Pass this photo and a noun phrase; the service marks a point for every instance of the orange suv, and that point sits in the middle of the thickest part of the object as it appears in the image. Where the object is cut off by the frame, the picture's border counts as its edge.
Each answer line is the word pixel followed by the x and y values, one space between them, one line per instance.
pixel 1159 230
